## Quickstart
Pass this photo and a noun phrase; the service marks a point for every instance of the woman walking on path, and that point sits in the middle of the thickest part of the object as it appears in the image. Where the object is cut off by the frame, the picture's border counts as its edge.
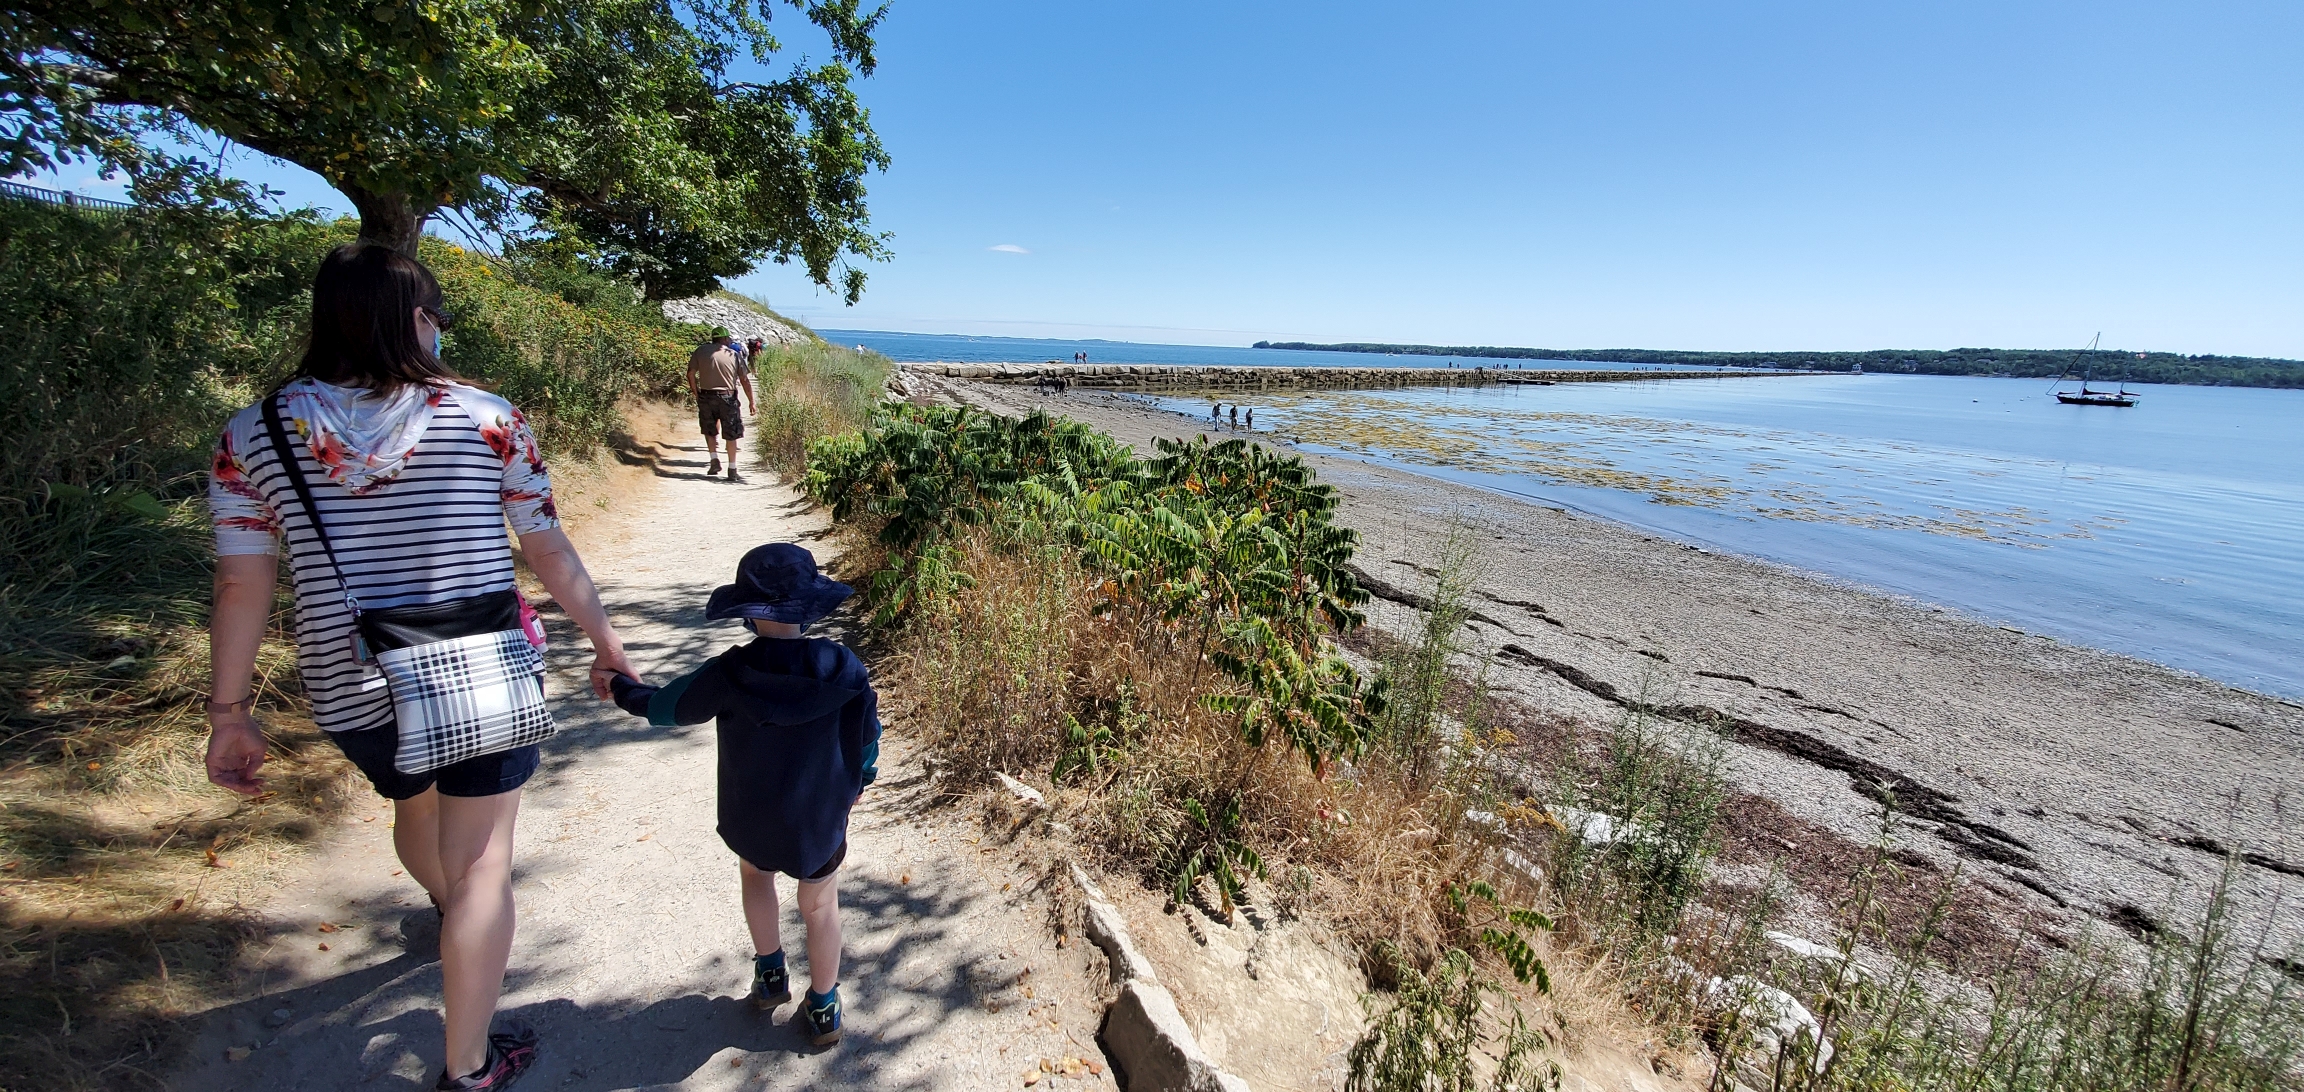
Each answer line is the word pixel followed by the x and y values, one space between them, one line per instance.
pixel 415 475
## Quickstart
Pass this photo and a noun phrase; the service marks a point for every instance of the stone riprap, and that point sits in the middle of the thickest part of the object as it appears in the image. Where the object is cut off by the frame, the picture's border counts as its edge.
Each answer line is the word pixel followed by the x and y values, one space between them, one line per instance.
pixel 744 322
pixel 1134 377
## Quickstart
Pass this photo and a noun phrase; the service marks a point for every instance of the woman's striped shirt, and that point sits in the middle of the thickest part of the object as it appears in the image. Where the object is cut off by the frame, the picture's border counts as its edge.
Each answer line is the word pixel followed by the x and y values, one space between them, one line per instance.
pixel 432 533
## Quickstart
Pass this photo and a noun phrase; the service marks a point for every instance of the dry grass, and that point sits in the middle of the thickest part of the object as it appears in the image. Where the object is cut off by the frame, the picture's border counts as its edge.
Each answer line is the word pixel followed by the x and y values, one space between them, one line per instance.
pixel 1015 673
pixel 123 874
pixel 807 391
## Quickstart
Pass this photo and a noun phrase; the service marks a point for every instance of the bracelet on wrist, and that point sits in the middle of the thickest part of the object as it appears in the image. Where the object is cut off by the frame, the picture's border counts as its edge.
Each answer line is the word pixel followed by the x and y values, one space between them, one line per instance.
pixel 215 707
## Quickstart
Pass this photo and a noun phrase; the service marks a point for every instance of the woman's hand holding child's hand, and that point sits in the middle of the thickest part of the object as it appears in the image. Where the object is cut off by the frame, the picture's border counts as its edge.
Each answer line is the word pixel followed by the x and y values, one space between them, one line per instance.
pixel 608 662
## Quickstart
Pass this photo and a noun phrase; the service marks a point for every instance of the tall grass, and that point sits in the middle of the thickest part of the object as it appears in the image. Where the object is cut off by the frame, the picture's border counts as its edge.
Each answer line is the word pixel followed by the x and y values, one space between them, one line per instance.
pixel 811 391
pixel 2198 1009
pixel 2194 1009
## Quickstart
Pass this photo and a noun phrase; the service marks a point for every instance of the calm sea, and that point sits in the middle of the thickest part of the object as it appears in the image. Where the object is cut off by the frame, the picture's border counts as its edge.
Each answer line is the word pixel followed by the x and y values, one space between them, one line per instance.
pixel 2170 531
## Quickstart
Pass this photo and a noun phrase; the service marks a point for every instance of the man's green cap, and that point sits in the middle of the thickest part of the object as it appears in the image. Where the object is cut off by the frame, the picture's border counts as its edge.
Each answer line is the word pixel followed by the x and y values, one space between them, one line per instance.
pixel 720 331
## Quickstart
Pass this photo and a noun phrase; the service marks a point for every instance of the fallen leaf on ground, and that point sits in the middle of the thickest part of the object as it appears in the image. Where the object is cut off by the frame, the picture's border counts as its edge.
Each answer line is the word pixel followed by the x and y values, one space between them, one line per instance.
pixel 395 871
pixel 236 1054
pixel 735 1063
pixel 905 878
pixel 175 906
pixel 215 861
pixel 645 837
pixel 329 927
pixel 1031 1077
pixel 323 947
pixel 95 765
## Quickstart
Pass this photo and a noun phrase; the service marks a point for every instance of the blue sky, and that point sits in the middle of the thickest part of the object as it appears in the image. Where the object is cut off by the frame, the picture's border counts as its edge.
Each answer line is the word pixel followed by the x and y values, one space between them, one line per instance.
pixel 1667 174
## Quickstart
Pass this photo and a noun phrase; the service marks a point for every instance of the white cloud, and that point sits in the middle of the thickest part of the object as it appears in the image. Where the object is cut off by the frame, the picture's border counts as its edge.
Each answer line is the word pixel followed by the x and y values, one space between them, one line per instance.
pixel 1009 248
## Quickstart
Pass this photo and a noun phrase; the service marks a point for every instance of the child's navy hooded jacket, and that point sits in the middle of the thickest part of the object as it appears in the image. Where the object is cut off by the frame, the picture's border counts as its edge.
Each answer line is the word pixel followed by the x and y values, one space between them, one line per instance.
pixel 799 738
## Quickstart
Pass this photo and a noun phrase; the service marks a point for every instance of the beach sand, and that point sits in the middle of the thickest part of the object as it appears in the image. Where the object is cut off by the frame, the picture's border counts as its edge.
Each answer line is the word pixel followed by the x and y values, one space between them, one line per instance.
pixel 2080 788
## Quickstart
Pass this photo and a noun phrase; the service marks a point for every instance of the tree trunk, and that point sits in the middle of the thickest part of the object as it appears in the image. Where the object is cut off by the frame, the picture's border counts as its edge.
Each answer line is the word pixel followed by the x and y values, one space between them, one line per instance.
pixel 395 220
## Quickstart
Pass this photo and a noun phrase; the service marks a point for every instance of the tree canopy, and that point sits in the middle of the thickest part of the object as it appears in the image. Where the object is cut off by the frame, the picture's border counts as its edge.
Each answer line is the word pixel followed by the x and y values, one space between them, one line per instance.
pixel 617 123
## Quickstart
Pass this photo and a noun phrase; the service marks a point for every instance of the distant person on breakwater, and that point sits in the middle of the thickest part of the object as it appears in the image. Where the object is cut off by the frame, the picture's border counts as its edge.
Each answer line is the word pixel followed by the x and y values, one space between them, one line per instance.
pixel 799 732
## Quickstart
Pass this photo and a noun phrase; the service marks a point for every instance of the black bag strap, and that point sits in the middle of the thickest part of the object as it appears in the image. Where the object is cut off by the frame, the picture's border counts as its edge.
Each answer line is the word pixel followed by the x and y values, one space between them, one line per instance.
pixel 292 463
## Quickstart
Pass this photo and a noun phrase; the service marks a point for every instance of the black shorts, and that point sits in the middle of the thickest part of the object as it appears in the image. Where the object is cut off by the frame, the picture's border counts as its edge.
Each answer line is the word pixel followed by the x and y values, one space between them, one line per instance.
pixel 830 867
pixel 371 749
pixel 716 414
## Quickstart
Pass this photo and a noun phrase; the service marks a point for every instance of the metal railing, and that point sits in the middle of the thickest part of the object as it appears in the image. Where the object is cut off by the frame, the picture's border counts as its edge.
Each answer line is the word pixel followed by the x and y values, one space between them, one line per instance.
pixel 21 192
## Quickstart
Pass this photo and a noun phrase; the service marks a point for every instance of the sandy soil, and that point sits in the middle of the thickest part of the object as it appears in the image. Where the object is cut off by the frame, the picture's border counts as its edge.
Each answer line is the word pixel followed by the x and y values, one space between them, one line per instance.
pixel 2077 786
pixel 631 957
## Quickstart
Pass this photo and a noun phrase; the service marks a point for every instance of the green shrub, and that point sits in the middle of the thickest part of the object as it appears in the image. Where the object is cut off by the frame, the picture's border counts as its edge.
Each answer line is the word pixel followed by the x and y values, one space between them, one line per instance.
pixel 1437 1033
pixel 1229 545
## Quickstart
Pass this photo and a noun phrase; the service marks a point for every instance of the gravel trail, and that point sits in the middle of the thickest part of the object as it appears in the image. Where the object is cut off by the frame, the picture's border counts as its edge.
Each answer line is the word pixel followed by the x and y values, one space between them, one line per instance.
pixel 631 956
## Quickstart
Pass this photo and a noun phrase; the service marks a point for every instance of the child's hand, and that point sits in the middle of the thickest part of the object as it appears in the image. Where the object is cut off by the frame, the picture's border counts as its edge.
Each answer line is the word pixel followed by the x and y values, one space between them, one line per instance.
pixel 608 662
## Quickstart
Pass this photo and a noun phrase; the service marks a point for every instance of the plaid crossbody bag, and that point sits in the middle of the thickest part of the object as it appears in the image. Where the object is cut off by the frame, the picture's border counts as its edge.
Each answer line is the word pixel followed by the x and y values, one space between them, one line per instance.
pixel 465 679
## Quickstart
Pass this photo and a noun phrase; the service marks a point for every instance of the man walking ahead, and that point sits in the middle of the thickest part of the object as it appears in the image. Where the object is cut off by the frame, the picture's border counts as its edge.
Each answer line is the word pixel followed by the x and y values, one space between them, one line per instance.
pixel 715 371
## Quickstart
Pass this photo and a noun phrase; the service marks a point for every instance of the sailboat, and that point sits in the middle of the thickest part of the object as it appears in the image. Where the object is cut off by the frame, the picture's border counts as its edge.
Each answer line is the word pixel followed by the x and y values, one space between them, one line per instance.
pixel 2086 397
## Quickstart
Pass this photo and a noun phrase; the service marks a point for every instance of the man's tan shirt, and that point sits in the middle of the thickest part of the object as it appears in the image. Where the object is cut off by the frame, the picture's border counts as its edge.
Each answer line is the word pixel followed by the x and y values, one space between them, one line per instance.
pixel 713 366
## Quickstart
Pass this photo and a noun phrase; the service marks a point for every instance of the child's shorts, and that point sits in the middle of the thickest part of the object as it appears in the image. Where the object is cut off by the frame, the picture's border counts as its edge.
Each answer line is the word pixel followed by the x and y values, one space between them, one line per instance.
pixel 830 867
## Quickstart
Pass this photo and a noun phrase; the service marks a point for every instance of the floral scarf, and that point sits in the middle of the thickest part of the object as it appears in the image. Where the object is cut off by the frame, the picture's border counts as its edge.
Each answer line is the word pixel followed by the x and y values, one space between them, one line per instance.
pixel 360 439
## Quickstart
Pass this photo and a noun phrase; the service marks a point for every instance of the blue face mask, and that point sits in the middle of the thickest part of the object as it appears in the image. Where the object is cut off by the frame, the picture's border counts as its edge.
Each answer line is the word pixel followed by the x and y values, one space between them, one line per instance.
pixel 435 344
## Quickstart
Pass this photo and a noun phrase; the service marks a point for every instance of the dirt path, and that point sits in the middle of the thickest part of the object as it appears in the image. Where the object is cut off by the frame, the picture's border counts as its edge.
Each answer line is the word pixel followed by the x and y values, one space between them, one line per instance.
pixel 631 956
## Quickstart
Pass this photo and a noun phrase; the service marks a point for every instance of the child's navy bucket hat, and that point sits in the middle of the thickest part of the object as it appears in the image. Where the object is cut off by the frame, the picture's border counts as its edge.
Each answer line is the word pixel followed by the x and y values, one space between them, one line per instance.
pixel 777 583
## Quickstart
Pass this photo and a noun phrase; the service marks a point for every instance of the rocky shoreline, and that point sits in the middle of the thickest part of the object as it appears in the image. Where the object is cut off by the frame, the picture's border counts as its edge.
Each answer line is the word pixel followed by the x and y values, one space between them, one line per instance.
pixel 1178 378
pixel 2084 790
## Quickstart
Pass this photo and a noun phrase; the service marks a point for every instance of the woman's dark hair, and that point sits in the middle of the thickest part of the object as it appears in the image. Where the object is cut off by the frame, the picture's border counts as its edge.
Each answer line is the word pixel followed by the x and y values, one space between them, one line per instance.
pixel 363 335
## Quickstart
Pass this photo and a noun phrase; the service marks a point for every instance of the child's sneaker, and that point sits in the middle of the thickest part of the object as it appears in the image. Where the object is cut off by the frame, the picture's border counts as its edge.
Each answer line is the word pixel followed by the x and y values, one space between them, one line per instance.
pixel 771 985
pixel 822 1011
pixel 715 468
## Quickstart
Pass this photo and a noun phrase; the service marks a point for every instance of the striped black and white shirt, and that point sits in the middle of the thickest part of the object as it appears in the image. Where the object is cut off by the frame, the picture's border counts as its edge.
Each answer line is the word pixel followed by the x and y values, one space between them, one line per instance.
pixel 431 532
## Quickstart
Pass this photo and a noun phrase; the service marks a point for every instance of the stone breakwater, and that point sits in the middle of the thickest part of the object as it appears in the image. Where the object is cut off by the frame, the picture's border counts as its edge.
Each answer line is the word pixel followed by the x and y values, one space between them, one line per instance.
pixel 1224 376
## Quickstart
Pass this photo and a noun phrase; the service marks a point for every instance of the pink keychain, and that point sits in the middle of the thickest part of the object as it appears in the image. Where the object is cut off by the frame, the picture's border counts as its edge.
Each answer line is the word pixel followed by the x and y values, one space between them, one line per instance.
pixel 531 624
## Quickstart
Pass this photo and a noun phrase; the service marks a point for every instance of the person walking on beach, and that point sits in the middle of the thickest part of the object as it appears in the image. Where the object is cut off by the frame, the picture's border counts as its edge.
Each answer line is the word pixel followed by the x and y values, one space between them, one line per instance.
pixel 799 733
pixel 1235 418
pixel 1215 411
pixel 1251 418
pixel 391 481
pixel 715 372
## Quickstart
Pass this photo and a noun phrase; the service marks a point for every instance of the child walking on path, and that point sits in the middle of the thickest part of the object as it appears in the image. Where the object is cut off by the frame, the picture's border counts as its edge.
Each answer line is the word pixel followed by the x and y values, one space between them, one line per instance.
pixel 799 735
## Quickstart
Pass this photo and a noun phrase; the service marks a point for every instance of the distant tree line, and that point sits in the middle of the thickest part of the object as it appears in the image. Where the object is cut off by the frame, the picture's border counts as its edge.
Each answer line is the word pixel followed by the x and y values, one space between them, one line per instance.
pixel 2108 364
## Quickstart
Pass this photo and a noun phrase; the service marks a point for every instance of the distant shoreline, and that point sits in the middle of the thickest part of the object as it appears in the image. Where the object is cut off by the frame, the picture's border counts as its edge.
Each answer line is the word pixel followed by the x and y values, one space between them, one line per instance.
pixel 2108 365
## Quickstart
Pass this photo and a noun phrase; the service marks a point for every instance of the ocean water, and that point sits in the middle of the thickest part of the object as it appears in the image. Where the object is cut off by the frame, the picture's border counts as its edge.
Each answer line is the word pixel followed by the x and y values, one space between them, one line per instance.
pixel 2173 531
